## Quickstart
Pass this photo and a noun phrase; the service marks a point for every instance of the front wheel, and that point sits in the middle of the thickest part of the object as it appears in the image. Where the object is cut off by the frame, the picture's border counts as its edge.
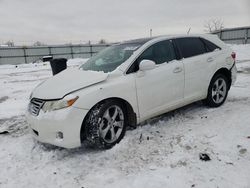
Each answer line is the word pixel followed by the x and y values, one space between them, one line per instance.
pixel 106 124
pixel 217 91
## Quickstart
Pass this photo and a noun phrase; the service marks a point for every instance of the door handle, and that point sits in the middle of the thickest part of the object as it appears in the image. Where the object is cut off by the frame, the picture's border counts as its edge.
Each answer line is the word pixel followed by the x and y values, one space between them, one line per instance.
pixel 210 59
pixel 177 69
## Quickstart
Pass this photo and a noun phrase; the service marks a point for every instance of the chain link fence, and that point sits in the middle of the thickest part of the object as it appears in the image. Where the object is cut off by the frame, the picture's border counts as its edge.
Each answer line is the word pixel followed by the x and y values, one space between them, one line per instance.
pixel 239 35
pixel 20 55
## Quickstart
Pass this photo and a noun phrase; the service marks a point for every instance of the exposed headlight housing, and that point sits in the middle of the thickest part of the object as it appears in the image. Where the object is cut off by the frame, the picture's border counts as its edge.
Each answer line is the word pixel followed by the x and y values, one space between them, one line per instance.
pixel 67 101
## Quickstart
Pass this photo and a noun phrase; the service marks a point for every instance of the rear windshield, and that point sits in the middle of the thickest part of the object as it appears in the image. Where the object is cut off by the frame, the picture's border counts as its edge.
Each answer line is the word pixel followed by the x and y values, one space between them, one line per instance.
pixel 210 46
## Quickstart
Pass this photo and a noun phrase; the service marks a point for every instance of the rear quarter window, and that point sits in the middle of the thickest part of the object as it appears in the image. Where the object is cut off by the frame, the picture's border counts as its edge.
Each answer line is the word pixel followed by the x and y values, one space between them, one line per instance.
pixel 210 47
pixel 190 46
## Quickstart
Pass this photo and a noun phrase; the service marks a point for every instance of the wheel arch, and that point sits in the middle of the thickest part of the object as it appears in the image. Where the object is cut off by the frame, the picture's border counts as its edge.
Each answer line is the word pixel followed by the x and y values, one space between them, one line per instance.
pixel 226 73
pixel 132 116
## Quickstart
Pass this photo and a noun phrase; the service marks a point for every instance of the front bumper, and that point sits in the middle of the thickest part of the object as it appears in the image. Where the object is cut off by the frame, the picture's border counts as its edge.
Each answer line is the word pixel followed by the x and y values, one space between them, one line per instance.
pixel 61 127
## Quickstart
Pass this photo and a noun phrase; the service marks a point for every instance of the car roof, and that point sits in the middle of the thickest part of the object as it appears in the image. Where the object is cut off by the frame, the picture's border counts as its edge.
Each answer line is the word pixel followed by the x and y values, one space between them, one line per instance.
pixel 139 40
pixel 162 37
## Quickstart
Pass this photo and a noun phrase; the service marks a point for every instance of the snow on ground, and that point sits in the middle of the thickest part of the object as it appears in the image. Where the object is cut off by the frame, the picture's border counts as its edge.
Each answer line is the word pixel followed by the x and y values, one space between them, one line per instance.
pixel 163 152
pixel 242 51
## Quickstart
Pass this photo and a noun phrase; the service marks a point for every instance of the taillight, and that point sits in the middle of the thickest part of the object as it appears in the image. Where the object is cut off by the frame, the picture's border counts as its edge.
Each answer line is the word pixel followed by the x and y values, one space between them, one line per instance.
pixel 233 55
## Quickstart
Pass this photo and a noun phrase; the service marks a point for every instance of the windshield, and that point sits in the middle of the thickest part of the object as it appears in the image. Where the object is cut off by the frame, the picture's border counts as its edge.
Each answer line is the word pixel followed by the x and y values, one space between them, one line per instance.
pixel 110 58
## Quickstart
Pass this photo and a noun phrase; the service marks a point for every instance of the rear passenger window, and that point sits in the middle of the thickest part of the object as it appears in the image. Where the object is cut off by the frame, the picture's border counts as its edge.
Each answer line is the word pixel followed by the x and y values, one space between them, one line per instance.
pixel 210 46
pixel 190 46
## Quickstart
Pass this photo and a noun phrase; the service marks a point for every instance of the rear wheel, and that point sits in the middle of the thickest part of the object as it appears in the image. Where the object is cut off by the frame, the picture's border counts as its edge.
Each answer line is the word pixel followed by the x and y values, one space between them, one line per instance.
pixel 217 91
pixel 106 124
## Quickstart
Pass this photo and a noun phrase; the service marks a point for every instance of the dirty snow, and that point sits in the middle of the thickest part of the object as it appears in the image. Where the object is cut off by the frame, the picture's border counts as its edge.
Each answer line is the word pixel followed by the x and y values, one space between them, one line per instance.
pixel 164 152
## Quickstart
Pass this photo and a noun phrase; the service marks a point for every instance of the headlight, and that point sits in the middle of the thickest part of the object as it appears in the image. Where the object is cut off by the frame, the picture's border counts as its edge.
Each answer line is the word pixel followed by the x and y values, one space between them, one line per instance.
pixel 59 104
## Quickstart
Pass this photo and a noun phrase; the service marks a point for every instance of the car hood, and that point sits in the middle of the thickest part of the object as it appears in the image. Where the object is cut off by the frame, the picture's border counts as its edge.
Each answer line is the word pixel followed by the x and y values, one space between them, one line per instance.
pixel 66 82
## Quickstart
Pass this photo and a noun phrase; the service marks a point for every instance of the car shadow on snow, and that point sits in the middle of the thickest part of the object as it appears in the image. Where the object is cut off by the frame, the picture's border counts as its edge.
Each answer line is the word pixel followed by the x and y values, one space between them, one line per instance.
pixel 186 112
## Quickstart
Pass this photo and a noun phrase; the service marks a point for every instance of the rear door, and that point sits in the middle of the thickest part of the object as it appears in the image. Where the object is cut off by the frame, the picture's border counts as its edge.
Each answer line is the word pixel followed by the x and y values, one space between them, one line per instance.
pixel 198 65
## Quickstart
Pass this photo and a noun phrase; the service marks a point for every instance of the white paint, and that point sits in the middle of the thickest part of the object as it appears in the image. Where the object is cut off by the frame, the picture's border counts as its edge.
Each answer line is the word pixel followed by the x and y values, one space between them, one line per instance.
pixel 164 88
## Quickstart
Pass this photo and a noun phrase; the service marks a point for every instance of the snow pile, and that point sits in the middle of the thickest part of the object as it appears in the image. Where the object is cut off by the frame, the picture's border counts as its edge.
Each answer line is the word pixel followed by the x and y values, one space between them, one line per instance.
pixel 164 152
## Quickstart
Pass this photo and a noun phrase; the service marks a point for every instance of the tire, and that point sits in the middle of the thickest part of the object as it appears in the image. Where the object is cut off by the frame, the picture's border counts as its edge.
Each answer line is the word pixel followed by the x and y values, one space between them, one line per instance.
pixel 217 91
pixel 104 129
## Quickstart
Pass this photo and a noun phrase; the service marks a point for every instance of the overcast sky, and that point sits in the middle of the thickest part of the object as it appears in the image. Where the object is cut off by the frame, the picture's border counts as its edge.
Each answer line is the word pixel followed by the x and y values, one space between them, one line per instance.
pixel 64 21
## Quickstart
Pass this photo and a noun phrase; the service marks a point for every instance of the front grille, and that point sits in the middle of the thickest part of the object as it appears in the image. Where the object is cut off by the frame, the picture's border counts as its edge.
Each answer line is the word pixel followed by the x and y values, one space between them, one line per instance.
pixel 35 106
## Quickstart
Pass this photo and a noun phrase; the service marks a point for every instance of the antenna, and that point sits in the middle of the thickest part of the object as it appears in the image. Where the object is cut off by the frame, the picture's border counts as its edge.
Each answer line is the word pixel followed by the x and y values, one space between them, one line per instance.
pixel 189 30
pixel 151 32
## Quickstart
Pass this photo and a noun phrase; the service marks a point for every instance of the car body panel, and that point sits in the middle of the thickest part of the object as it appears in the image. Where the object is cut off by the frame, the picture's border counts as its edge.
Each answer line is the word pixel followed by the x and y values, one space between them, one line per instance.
pixel 116 86
pixel 198 71
pixel 67 81
pixel 67 121
pixel 162 85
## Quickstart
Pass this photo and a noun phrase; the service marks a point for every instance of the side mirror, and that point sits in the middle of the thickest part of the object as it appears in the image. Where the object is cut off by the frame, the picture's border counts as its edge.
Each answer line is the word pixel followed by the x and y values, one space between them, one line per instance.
pixel 146 65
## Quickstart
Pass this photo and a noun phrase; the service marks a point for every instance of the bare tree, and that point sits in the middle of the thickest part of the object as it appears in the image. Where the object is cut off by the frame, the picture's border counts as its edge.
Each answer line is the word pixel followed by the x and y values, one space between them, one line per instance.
pixel 102 41
pixel 10 43
pixel 213 25
pixel 38 43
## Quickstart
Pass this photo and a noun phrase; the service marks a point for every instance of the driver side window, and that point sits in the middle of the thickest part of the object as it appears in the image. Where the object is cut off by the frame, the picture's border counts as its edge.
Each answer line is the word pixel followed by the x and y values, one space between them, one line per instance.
pixel 160 52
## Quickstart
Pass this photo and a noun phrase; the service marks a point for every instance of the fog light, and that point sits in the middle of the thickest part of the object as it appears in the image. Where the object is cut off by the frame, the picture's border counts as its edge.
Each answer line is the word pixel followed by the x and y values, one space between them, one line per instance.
pixel 59 135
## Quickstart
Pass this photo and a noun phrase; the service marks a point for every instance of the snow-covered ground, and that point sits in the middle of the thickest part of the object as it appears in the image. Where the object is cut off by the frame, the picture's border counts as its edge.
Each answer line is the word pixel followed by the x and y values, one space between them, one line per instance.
pixel 164 152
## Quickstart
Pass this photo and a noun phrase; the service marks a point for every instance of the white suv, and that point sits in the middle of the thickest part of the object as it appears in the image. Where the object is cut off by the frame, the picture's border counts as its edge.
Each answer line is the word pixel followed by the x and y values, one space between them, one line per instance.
pixel 128 83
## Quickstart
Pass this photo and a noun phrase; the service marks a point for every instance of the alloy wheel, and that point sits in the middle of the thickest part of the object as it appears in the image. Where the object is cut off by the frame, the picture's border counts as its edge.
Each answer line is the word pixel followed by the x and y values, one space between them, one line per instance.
pixel 112 124
pixel 219 90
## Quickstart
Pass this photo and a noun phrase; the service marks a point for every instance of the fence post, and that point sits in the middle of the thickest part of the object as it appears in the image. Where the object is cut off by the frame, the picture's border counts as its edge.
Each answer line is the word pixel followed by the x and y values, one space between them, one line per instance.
pixel 24 54
pixel 220 34
pixel 71 51
pixel 49 50
pixel 91 50
pixel 246 36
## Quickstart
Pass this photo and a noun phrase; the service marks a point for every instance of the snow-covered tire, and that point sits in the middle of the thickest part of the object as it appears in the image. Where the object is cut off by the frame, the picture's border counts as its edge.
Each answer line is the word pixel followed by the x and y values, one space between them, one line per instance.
pixel 105 124
pixel 217 91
